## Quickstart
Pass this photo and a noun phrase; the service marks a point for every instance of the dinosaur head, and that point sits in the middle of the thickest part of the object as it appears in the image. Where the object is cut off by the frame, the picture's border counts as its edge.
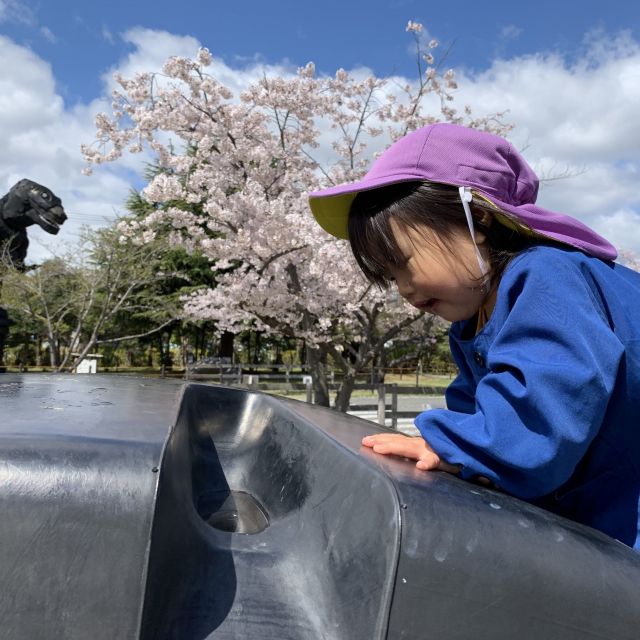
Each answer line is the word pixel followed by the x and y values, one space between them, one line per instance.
pixel 29 203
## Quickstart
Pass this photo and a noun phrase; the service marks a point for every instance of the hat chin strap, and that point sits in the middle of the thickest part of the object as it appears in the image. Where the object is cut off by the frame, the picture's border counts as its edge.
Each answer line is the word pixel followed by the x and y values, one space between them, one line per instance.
pixel 466 197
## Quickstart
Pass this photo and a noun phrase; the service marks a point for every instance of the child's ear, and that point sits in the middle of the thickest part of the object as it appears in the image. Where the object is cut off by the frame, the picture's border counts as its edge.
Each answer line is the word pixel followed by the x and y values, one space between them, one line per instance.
pixel 486 219
pixel 483 223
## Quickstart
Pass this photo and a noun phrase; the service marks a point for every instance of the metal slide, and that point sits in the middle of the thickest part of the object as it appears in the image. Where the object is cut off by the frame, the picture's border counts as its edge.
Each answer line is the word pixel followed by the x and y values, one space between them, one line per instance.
pixel 158 509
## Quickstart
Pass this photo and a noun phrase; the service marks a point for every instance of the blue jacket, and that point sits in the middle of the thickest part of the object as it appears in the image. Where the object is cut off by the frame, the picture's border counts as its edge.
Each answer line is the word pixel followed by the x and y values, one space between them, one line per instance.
pixel 547 402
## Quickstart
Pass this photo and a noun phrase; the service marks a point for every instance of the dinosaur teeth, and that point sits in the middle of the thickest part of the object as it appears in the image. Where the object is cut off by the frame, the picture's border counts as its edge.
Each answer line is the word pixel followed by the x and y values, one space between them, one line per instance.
pixel 51 223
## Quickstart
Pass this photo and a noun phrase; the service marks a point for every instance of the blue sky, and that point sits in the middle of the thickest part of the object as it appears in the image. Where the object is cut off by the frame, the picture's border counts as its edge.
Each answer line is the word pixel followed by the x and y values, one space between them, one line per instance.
pixel 567 72
pixel 82 39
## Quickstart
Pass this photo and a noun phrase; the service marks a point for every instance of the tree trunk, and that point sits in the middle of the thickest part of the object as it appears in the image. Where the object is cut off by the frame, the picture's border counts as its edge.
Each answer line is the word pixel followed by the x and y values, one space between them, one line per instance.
pixel 199 340
pixel 226 345
pixel 257 346
pixel 317 363
pixel 38 349
pixel 343 395
pixel 53 352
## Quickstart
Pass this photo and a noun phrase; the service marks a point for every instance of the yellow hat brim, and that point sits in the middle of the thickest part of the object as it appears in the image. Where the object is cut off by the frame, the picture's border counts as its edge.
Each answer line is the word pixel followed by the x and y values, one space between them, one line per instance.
pixel 332 213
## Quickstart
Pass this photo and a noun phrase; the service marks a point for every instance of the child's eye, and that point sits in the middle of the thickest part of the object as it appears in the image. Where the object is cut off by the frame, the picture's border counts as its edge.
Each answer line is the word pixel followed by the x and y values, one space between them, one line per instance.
pixel 388 276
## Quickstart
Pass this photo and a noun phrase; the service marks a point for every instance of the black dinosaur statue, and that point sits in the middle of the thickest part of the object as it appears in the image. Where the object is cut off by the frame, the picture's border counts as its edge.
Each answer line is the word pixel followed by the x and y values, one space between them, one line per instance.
pixel 27 203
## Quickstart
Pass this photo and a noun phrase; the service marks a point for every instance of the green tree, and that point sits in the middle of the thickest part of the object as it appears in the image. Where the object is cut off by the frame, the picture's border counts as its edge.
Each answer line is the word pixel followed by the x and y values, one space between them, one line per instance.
pixel 108 289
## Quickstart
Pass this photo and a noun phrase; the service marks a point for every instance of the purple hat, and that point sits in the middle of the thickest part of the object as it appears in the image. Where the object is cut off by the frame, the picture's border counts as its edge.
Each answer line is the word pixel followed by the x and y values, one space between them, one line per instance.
pixel 462 157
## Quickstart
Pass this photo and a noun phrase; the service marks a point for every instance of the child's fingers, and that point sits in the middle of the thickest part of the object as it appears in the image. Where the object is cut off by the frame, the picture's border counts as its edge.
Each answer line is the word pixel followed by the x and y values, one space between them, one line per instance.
pixel 399 445
pixel 367 441
pixel 407 447
pixel 429 462
pixel 390 443
pixel 382 438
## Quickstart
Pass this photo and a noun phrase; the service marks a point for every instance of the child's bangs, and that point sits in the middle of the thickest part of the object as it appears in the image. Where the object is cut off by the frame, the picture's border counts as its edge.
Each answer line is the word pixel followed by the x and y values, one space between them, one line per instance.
pixel 374 246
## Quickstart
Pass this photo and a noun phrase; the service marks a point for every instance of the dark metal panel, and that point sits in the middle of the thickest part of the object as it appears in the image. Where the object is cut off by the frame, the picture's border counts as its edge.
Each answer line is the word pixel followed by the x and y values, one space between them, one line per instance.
pixel 478 563
pixel 96 406
pixel 343 543
pixel 475 559
pixel 77 486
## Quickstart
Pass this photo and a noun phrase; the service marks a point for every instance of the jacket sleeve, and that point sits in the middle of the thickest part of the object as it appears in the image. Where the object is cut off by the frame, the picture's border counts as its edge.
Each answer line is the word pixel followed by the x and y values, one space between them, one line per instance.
pixel 460 395
pixel 551 370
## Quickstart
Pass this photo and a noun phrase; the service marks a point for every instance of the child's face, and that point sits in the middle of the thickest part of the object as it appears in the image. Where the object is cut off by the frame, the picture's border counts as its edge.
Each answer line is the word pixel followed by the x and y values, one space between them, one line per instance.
pixel 435 279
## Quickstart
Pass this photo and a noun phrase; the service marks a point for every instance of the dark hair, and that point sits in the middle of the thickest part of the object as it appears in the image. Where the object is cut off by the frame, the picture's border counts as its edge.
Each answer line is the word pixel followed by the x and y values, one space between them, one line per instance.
pixel 436 206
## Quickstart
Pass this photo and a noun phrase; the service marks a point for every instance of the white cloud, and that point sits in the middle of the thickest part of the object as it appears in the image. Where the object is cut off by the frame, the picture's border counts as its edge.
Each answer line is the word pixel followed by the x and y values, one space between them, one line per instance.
pixel 580 112
pixel 107 35
pixel 510 32
pixel 16 11
pixel 622 228
pixel 577 119
pixel 27 92
pixel 150 50
pixel 41 141
pixel 48 35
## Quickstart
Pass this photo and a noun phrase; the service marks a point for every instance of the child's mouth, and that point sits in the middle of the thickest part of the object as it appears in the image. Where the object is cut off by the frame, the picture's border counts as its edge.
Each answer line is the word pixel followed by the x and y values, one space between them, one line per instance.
pixel 427 305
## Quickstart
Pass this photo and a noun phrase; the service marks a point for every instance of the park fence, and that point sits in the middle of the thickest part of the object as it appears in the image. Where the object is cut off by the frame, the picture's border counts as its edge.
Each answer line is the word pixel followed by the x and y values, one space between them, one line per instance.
pixel 285 378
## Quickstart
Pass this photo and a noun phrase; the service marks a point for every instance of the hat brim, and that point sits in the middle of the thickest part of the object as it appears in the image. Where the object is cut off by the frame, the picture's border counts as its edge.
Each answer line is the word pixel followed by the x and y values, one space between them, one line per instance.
pixel 330 207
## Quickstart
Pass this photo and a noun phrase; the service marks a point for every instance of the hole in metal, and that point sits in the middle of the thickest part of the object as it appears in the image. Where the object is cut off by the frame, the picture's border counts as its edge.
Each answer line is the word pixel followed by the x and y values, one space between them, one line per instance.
pixel 239 512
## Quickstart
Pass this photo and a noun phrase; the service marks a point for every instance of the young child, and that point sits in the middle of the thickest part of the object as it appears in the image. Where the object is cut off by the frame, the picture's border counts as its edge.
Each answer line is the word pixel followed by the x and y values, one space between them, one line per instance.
pixel 545 326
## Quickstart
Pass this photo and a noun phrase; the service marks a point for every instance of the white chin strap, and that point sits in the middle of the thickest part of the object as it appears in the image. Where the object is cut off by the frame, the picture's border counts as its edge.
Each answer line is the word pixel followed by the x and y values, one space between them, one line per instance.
pixel 466 197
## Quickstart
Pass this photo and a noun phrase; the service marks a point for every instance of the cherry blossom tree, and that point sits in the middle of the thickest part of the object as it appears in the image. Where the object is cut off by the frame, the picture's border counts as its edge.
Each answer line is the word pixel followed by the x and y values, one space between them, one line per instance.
pixel 235 175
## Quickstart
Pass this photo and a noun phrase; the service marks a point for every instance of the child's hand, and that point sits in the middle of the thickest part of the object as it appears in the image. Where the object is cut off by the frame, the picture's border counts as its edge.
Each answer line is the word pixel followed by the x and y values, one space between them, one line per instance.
pixel 413 448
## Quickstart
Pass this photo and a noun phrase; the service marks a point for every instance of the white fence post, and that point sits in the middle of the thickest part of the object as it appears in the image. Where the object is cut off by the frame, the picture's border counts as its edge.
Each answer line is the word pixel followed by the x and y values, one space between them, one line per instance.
pixel 308 382
pixel 382 405
pixel 394 406
pixel 251 380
